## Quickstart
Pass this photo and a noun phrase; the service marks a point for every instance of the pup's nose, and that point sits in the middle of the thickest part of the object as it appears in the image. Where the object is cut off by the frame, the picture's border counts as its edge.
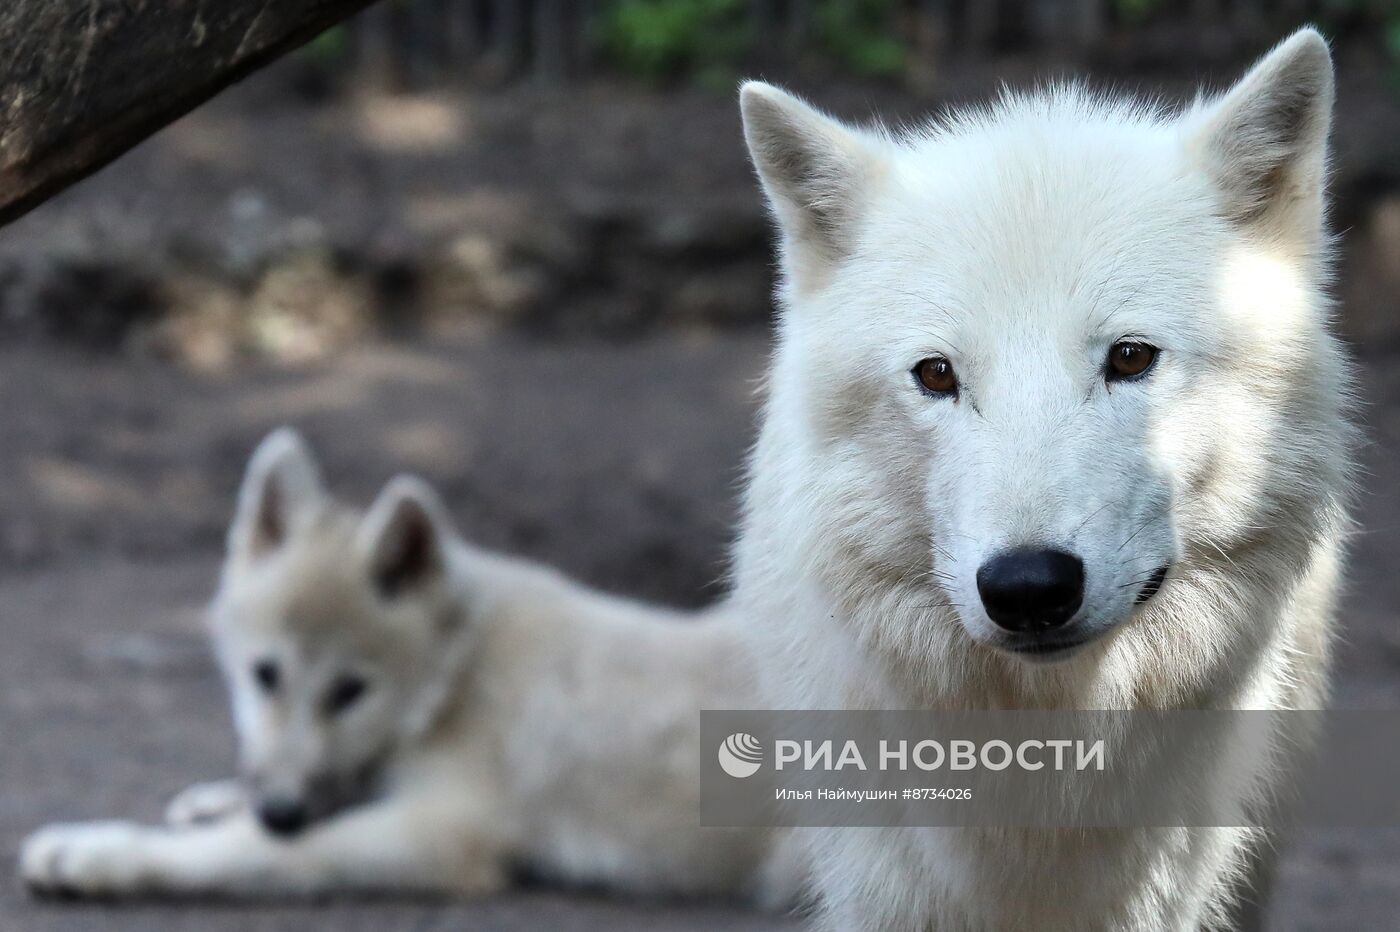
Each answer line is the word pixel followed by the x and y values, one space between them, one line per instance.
pixel 1030 590
pixel 282 816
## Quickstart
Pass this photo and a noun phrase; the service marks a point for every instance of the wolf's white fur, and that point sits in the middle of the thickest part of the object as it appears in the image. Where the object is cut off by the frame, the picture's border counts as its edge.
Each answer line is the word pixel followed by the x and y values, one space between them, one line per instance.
pixel 1020 241
pixel 511 718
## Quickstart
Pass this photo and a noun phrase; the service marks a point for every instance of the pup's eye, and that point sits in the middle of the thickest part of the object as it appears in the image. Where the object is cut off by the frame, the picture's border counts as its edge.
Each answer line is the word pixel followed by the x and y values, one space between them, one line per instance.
pixel 1129 359
pixel 936 375
pixel 267 675
pixel 345 692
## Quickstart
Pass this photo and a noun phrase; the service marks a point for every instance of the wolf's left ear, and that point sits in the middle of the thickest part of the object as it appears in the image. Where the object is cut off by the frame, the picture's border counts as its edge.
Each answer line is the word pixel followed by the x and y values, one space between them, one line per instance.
pixel 1264 143
pixel 281 489
pixel 405 537
pixel 813 169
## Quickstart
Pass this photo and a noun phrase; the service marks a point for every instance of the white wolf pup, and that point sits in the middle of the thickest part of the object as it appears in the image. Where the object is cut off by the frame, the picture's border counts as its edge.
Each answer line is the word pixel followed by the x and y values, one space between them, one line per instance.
pixel 415 714
pixel 1055 420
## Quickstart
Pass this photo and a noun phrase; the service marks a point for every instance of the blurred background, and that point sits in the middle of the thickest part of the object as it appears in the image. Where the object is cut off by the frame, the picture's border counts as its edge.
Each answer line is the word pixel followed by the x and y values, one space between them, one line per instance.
pixel 516 247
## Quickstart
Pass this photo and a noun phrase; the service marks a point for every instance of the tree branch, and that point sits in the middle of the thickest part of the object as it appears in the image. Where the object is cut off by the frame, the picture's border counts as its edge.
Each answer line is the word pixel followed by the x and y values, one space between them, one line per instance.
pixel 82 81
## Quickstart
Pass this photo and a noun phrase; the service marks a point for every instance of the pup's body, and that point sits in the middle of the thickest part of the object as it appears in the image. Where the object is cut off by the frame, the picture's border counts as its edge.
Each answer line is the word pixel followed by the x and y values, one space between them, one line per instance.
pixel 417 714
pixel 1055 421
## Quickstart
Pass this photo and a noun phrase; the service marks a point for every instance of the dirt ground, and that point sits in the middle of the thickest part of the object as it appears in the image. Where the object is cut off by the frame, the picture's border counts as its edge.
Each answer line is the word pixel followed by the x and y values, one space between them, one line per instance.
pixel 617 462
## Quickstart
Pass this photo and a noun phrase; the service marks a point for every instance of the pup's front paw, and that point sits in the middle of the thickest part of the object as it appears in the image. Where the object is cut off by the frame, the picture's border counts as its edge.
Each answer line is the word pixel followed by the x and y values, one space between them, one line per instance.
pixel 83 859
pixel 205 803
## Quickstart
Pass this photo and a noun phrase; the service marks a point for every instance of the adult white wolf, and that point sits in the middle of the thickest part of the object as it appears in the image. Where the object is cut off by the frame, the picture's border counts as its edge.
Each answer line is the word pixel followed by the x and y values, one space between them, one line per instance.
pixel 417 714
pixel 1055 421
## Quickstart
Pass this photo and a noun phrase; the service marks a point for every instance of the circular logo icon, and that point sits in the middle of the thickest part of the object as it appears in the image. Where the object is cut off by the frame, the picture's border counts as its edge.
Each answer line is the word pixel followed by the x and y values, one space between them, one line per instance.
pixel 740 755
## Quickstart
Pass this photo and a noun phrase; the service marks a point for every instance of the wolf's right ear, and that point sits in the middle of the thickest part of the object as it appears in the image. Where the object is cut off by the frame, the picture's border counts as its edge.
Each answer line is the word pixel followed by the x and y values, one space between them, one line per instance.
pixel 813 169
pixel 405 537
pixel 1264 143
pixel 281 486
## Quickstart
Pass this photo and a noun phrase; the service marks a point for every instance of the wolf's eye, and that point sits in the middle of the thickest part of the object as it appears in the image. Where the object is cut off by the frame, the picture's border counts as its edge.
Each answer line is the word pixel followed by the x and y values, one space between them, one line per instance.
pixel 267 676
pixel 1129 359
pixel 345 692
pixel 936 375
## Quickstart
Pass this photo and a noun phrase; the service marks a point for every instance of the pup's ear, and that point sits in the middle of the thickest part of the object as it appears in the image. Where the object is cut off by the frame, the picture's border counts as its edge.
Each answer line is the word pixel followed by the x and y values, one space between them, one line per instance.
pixel 1264 143
pixel 405 537
pixel 281 489
pixel 813 169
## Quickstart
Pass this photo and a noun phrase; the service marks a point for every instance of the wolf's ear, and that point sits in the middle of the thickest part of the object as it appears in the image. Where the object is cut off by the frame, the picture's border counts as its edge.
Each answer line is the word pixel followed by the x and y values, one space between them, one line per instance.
pixel 813 169
pixel 281 487
pixel 405 537
pixel 1264 143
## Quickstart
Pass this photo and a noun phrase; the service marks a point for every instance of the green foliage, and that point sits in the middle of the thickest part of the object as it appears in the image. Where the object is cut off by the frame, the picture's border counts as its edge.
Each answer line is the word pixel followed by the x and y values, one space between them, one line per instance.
pixel 860 34
pixel 329 48
pixel 1135 10
pixel 709 39
pixel 1392 48
pixel 661 38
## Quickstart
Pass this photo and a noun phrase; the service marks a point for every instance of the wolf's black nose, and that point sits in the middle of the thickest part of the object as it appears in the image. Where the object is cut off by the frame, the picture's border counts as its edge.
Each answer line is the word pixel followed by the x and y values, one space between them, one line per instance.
pixel 283 817
pixel 1029 590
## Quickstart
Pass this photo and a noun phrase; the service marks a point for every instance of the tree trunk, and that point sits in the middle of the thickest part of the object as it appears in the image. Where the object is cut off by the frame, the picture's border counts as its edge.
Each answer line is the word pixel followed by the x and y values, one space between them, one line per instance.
pixel 82 81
